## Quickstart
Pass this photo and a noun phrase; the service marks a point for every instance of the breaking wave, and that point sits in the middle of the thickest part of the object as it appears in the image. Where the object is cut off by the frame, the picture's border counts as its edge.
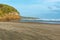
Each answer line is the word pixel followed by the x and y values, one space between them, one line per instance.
pixel 50 21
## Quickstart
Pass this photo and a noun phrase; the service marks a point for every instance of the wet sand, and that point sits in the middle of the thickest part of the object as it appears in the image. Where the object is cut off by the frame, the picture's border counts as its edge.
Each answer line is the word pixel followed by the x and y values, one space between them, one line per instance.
pixel 29 31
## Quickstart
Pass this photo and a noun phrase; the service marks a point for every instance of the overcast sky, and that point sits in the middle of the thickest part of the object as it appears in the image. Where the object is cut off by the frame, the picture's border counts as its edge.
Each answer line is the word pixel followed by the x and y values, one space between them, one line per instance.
pixel 36 8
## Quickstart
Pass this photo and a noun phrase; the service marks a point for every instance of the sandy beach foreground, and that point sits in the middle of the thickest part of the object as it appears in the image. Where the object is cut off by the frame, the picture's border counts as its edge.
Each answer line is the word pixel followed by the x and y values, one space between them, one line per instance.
pixel 29 31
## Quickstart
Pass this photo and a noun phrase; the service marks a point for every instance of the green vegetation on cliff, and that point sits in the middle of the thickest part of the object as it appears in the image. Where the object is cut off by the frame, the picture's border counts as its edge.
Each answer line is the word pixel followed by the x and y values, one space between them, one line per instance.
pixel 8 12
pixel 5 9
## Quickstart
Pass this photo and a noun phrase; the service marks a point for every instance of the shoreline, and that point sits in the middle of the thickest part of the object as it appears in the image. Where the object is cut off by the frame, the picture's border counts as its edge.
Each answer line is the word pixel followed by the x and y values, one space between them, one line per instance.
pixel 31 22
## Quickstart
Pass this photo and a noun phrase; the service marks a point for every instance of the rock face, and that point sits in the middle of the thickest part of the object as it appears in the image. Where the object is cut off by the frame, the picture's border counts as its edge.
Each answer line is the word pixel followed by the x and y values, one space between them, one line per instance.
pixel 8 13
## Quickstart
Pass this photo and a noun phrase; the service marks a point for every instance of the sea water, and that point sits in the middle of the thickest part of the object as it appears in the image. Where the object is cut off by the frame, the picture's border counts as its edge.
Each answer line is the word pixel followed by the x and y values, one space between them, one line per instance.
pixel 49 21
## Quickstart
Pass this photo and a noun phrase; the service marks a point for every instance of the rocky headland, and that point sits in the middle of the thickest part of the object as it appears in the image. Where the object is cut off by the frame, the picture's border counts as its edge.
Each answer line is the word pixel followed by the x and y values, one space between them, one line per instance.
pixel 8 13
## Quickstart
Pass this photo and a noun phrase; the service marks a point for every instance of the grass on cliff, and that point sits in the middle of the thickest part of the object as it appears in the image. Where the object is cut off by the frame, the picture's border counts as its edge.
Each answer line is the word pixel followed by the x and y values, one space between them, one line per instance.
pixel 5 9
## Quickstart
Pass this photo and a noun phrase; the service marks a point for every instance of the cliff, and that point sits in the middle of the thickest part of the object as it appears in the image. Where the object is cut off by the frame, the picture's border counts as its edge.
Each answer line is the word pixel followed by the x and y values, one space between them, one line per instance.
pixel 8 13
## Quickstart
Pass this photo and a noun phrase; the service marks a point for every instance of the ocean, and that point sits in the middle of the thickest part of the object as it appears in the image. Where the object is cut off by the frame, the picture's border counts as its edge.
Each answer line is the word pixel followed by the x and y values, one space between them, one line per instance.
pixel 48 21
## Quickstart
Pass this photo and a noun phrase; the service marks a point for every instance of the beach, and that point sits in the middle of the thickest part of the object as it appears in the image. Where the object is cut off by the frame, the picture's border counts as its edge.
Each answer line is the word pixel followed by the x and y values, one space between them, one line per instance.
pixel 29 31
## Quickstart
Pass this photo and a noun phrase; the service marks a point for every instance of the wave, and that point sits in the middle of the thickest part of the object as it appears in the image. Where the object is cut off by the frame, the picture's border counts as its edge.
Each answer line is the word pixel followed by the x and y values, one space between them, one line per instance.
pixel 42 19
pixel 49 21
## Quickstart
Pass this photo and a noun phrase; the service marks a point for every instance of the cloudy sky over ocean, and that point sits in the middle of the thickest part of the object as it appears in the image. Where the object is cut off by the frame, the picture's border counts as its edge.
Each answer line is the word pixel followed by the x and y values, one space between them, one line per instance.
pixel 49 9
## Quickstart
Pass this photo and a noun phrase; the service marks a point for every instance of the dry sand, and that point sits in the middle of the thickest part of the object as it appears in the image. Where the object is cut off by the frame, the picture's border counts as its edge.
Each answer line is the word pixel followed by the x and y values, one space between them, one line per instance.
pixel 29 31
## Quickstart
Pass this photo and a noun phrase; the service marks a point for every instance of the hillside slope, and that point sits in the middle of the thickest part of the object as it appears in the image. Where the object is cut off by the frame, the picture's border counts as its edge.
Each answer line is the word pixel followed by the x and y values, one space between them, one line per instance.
pixel 8 13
